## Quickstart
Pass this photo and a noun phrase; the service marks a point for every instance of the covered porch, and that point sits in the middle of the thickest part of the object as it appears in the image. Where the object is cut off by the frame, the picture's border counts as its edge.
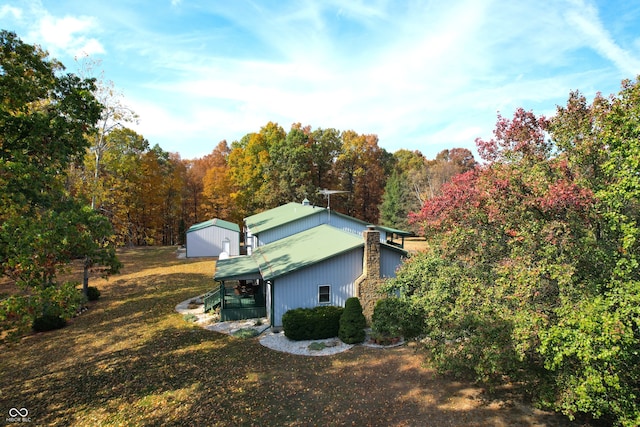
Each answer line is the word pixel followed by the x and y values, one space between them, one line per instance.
pixel 240 291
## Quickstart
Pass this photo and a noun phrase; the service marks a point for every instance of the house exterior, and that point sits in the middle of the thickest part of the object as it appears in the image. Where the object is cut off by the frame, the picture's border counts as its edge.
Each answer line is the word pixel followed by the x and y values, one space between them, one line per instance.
pixel 289 219
pixel 301 256
pixel 213 237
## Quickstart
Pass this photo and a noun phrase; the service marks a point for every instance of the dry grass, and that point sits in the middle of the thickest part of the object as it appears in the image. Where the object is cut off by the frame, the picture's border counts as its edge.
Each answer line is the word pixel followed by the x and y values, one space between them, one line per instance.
pixel 132 360
pixel 415 244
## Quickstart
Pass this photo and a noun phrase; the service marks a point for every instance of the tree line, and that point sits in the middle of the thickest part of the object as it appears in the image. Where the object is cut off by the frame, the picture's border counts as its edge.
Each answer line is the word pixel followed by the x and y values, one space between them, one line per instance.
pixel 151 196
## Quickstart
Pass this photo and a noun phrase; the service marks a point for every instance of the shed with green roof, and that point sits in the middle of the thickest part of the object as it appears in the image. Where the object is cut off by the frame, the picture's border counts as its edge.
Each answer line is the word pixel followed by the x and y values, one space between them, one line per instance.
pixel 213 238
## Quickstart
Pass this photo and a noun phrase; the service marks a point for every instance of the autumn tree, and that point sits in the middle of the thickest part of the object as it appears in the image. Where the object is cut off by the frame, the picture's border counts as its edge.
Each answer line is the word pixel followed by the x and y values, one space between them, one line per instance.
pixel 120 176
pixel 413 165
pixel 510 243
pixel 532 271
pixel 290 160
pixel 594 348
pixel 439 171
pixel 217 185
pixel 361 169
pixel 157 197
pixel 249 162
pixel 115 113
pixel 44 117
pixel 200 202
pixel 91 242
pixel 325 146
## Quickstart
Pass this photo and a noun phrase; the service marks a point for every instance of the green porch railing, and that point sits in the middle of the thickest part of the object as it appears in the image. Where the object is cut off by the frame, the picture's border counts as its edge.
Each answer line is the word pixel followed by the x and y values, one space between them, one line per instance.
pixel 235 307
pixel 238 307
pixel 211 300
pixel 228 314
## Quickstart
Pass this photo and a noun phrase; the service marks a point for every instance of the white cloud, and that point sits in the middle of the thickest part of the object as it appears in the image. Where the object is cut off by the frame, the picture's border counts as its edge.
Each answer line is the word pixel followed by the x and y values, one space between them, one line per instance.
pixel 423 73
pixel 67 34
pixel 7 10
pixel 584 17
pixel 434 74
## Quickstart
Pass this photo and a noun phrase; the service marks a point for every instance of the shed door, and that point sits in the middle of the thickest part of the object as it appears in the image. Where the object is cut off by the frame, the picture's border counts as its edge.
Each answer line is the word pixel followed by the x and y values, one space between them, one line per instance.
pixel 226 246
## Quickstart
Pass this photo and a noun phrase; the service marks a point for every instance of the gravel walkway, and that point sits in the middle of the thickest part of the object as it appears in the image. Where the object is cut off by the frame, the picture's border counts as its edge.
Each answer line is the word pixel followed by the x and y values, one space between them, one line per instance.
pixel 274 340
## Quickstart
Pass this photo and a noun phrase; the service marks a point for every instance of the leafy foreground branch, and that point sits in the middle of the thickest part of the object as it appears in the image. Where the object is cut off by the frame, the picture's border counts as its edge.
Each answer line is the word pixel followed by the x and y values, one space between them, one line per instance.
pixel 533 273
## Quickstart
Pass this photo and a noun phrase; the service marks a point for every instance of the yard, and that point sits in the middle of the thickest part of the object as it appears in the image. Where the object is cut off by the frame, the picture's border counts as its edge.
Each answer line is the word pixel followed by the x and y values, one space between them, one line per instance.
pixel 132 360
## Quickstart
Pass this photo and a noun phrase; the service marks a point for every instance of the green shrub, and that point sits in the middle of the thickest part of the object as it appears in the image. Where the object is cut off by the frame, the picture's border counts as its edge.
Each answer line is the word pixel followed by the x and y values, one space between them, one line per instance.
pixel 297 324
pixel 317 346
pixel 190 317
pixel 312 323
pixel 93 293
pixel 352 322
pixel 327 320
pixel 394 317
pixel 245 333
pixel 48 322
pixel 594 354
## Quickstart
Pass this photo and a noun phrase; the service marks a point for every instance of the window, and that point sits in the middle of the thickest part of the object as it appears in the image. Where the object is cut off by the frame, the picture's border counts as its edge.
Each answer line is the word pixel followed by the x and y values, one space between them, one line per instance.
pixel 324 294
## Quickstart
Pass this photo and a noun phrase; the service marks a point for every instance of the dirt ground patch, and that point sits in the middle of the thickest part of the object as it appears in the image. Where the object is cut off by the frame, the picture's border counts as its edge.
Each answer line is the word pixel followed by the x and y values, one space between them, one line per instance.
pixel 131 359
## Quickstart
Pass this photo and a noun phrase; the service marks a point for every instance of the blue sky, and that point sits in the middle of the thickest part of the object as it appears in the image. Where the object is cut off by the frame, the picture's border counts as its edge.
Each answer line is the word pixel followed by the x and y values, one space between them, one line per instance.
pixel 422 75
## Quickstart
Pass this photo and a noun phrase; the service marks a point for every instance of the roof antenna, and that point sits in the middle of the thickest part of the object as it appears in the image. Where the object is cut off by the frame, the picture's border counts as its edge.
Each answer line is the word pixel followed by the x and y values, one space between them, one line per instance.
pixel 327 194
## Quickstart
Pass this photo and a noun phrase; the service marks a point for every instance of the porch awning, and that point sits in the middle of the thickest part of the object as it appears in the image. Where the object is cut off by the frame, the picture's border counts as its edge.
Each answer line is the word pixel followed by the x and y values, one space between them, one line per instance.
pixel 237 268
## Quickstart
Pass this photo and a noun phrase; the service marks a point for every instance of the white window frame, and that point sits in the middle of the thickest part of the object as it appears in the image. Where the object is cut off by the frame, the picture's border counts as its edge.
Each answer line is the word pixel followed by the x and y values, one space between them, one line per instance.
pixel 321 294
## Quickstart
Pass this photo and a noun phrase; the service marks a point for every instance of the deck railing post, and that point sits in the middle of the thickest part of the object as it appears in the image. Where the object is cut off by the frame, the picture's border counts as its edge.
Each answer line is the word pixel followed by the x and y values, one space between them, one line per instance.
pixel 221 295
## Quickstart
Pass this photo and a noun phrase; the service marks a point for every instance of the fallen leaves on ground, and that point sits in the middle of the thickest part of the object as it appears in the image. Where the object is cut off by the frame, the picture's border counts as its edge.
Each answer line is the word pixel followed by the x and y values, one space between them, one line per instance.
pixel 132 360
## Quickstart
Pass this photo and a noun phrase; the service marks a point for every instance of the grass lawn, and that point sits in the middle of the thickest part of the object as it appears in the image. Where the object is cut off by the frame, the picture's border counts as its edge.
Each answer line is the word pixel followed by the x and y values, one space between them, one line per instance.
pixel 132 360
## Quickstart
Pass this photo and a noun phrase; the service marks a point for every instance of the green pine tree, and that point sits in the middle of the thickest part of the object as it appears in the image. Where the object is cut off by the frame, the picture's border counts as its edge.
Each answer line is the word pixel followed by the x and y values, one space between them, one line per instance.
pixel 394 209
pixel 352 322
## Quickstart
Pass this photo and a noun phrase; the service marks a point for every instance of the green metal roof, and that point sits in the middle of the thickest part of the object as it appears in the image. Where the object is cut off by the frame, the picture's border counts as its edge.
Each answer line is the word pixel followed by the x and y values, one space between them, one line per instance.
pixel 215 222
pixel 240 267
pixel 394 230
pixel 281 215
pixel 303 249
pixel 284 256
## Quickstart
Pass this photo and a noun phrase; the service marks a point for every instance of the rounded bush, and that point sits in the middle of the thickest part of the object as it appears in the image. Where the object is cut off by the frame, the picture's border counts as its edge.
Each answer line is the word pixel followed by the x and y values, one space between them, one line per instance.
pixel 312 323
pixel 393 317
pixel 296 324
pixel 93 293
pixel 352 322
pixel 48 322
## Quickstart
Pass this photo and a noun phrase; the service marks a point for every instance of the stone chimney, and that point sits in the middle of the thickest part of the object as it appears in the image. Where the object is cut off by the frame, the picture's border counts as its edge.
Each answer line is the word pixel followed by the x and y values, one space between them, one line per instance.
pixel 367 284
